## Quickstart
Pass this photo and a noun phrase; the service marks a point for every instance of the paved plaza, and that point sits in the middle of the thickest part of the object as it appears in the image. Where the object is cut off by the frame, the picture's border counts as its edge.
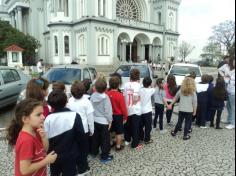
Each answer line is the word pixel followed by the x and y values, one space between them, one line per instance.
pixel 209 152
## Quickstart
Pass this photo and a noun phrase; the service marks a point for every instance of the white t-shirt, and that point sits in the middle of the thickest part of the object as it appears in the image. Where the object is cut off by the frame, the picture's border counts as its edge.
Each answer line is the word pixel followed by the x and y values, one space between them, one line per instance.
pixel 231 84
pixel 146 99
pixel 85 109
pixel 132 98
pixel 226 72
pixel 39 67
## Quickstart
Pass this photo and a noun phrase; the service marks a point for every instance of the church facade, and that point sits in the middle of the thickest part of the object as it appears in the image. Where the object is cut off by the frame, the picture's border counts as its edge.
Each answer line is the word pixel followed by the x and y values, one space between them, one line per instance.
pixel 98 32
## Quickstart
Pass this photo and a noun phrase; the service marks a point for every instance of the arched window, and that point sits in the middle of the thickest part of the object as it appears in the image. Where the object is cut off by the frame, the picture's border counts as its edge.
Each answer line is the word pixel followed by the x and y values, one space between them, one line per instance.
pixel 102 8
pixel 159 18
pixel 82 8
pixel 102 49
pixel 66 8
pixel 103 45
pixel 82 45
pixel 99 46
pixel 66 45
pixel 56 45
pixel 106 47
pixel 171 50
pixel 171 21
pixel 62 6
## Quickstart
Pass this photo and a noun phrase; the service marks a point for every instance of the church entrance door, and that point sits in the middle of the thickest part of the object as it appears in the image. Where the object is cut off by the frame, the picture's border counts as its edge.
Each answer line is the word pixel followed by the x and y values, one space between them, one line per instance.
pixel 134 52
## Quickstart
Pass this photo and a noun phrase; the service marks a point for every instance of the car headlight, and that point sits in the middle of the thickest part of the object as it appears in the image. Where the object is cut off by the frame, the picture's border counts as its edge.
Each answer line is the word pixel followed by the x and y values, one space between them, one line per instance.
pixel 22 96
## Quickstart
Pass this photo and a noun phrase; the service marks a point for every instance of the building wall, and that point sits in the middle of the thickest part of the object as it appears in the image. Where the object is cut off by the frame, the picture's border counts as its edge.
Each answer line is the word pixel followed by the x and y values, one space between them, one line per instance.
pixel 85 24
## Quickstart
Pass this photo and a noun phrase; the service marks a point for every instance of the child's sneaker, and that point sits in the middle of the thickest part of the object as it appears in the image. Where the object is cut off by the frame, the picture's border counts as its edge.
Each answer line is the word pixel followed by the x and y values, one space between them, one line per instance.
pixel 173 133
pixel 203 127
pixel 139 147
pixel 120 148
pixel 162 131
pixel 149 142
pixel 126 143
pixel 108 159
pixel 185 138
pixel 85 173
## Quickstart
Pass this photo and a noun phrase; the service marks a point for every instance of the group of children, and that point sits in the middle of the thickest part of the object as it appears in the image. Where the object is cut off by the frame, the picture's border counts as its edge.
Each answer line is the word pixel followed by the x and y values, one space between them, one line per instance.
pixel 69 129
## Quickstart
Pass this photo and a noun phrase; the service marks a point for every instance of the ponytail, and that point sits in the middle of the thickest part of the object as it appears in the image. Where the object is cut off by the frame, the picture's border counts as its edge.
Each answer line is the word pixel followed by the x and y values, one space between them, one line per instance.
pixel 23 109
pixel 13 132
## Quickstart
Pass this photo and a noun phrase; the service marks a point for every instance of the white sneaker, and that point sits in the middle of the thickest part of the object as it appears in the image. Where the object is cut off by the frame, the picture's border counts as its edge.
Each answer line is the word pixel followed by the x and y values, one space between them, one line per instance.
pixel 126 143
pixel 203 127
pixel 162 131
pixel 224 122
pixel 230 127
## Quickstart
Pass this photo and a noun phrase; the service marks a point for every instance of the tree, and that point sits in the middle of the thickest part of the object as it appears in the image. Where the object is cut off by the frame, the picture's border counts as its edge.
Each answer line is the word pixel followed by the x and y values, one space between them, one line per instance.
pixel 224 34
pixel 185 49
pixel 212 51
pixel 10 35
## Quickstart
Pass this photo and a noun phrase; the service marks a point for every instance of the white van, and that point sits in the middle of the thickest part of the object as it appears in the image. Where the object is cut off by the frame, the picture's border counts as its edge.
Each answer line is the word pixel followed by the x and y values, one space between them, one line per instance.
pixel 180 71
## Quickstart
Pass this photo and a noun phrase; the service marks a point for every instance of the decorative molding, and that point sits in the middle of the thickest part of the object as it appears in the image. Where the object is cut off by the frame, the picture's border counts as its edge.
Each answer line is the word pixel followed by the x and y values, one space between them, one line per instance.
pixel 81 30
pixel 158 8
pixel 172 39
pixel 103 29
pixel 172 8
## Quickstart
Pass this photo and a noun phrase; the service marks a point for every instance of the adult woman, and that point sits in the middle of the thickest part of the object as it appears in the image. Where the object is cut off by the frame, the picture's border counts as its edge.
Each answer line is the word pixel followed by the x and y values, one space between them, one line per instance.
pixel 228 72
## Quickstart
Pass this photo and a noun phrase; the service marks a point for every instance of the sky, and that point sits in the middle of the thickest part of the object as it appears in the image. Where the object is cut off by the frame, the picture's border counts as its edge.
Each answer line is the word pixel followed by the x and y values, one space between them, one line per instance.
pixel 197 17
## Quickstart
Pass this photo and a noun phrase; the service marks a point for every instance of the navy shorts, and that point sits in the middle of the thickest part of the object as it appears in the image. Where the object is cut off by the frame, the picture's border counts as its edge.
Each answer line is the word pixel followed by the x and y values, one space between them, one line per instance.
pixel 117 124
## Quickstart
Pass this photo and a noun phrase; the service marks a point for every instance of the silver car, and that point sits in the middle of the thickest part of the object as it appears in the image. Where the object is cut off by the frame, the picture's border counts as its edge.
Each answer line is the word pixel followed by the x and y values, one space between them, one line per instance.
pixel 12 82
pixel 144 68
pixel 67 74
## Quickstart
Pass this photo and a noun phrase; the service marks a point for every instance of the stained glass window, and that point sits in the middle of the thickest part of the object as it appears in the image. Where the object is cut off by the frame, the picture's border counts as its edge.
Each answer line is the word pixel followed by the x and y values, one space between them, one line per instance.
pixel 128 9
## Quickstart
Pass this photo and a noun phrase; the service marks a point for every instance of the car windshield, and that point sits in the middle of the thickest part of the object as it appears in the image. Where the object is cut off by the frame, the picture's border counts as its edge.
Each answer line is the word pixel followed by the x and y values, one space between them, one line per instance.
pixel 184 70
pixel 124 70
pixel 66 75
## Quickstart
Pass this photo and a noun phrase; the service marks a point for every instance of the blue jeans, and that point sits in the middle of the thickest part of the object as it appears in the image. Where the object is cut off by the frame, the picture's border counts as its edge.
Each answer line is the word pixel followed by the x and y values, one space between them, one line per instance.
pixel 231 109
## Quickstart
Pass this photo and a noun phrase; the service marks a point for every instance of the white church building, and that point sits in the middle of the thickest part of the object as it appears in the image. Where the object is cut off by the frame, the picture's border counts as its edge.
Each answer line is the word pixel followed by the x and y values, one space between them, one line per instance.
pixel 98 32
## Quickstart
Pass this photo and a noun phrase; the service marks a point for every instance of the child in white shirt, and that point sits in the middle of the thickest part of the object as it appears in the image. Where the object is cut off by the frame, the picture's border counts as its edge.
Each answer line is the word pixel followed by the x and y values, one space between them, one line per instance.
pixel 146 94
pixel 81 105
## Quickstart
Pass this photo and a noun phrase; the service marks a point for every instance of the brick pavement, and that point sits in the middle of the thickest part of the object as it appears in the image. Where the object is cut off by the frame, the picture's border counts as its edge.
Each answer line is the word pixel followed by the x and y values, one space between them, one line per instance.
pixel 208 152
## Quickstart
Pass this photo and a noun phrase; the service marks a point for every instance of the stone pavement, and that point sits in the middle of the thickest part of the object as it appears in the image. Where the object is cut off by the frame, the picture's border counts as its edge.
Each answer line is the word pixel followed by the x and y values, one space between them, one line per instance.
pixel 208 152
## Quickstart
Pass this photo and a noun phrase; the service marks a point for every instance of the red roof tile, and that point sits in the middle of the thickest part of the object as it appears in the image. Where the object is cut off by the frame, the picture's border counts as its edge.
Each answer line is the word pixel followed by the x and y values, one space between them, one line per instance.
pixel 13 48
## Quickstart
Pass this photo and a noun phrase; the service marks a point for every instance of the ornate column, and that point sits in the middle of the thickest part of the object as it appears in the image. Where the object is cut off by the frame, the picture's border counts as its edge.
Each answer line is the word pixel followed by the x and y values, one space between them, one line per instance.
pixel 19 18
pixel 13 19
pixel 150 52
pixel 142 52
pixel 130 52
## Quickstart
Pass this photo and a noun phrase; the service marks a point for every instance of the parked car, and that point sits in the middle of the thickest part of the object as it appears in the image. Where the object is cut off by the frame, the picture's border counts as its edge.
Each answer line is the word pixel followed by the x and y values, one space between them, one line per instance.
pixel 67 74
pixel 144 68
pixel 181 70
pixel 12 82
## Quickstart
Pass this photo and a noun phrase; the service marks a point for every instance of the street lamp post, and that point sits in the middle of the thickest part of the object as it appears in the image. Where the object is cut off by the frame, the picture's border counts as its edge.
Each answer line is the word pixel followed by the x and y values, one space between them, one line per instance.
pixel 36 54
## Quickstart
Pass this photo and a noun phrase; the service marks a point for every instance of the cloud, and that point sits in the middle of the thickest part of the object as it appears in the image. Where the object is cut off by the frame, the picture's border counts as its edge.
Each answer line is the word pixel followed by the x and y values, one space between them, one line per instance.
pixel 197 17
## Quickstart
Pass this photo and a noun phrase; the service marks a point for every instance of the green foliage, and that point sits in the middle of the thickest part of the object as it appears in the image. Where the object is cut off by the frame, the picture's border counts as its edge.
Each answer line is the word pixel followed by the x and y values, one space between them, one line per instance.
pixel 212 51
pixel 10 35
